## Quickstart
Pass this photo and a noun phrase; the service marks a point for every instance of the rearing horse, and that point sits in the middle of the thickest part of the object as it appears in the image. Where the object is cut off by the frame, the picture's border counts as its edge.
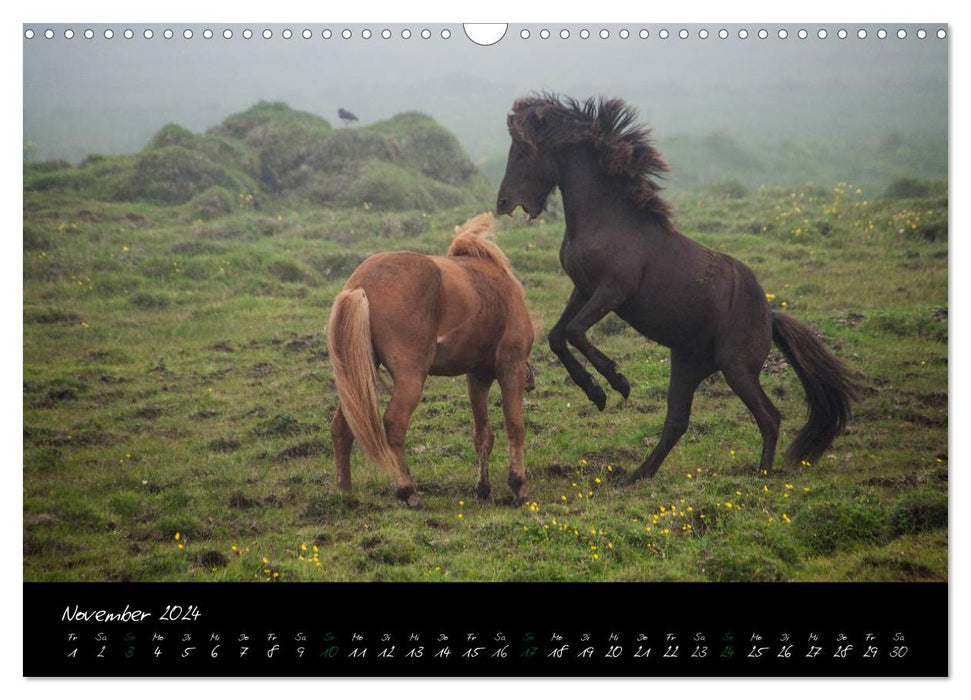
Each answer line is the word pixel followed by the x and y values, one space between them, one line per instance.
pixel 623 254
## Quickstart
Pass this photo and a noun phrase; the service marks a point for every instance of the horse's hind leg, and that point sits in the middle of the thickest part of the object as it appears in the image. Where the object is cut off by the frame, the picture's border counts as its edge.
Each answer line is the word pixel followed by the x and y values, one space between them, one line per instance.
pixel 745 383
pixel 512 381
pixel 343 439
pixel 404 399
pixel 686 374
pixel 482 430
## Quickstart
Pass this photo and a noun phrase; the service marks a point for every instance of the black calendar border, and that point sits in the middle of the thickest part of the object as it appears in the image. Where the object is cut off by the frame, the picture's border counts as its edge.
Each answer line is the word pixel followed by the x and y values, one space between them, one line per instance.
pixel 360 620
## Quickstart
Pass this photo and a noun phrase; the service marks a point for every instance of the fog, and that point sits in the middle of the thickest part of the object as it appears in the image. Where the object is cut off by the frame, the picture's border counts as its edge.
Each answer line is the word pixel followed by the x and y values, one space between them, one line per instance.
pixel 96 95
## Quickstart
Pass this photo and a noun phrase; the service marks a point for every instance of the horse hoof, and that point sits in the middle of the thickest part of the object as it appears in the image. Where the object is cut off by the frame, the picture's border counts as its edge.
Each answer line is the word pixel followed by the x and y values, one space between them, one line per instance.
pixel 639 474
pixel 622 385
pixel 517 486
pixel 598 397
pixel 482 491
pixel 520 497
pixel 409 496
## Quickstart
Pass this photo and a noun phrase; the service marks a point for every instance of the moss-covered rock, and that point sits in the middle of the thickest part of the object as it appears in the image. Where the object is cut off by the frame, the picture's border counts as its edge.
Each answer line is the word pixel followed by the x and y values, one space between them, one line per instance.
pixel 175 174
pixel 214 202
pixel 405 163
pixel 385 186
pixel 172 135
pixel 421 144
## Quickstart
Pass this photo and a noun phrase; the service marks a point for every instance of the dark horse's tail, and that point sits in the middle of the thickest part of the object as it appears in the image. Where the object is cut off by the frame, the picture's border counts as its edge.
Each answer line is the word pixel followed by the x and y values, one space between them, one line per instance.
pixel 830 387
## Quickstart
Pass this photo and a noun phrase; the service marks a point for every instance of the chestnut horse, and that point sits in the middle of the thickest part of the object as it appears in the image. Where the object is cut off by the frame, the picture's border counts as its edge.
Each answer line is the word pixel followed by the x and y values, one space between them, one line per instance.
pixel 462 313
pixel 625 256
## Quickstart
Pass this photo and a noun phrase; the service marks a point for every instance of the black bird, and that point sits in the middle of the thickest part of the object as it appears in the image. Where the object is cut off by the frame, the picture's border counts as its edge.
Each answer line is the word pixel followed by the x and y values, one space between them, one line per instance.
pixel 346 117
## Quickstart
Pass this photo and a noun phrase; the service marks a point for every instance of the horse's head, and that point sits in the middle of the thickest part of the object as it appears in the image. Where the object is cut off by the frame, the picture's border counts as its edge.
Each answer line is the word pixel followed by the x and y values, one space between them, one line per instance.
pixel 531 169
pixel 550 135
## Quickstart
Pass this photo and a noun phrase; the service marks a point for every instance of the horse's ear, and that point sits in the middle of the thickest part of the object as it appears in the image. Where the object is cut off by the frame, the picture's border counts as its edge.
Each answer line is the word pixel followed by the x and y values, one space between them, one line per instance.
pixel 534 121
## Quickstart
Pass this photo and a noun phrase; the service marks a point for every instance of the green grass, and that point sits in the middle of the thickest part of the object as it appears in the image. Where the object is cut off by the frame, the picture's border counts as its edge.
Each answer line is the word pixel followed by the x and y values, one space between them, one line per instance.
pixel 176 380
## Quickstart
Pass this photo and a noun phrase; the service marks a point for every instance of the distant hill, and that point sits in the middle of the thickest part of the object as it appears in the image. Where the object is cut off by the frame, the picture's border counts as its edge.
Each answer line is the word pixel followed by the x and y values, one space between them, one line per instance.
pixel 718 157
pixel 273 151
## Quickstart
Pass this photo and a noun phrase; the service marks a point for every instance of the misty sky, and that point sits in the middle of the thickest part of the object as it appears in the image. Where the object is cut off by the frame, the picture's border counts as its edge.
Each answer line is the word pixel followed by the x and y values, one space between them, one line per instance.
pixel 86 96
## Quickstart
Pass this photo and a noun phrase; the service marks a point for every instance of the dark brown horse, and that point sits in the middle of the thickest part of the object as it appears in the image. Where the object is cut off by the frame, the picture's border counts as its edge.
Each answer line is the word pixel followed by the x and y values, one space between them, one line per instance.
pixel 463 313
pixel 624 255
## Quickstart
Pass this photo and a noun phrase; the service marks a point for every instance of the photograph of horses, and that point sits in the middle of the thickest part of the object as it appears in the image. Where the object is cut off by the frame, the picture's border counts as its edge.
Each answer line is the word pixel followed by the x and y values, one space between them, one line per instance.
pixel 684 290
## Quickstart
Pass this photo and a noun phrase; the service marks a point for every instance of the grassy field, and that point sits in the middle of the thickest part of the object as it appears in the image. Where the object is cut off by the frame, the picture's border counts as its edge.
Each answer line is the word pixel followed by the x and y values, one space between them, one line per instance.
pixel 177 397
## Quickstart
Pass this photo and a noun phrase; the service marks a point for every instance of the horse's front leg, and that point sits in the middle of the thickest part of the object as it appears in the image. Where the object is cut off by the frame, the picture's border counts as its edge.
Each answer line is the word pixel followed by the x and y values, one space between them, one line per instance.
pixel 557 340
pixel 512 381
pixel 604 300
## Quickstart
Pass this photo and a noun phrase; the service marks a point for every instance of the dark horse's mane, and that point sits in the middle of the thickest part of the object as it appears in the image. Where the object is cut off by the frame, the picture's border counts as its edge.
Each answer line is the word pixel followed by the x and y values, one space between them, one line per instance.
pixel 624 148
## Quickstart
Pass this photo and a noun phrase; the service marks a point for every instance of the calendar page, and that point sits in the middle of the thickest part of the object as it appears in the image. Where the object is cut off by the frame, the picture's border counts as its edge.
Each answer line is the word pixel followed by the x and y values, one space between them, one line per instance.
pixel 444 350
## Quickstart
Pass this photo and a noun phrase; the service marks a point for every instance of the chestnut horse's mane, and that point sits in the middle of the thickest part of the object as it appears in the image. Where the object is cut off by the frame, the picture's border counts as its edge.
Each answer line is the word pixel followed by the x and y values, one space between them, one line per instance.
pixel 476 238
pixel 624 148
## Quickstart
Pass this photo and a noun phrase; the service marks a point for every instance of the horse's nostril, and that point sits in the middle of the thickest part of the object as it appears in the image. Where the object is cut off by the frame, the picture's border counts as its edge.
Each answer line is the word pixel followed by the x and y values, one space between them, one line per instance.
pixel 502 205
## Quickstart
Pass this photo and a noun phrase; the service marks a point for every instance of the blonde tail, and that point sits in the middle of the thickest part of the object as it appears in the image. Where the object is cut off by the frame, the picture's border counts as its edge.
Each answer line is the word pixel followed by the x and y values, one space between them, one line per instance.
pixel 356 374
